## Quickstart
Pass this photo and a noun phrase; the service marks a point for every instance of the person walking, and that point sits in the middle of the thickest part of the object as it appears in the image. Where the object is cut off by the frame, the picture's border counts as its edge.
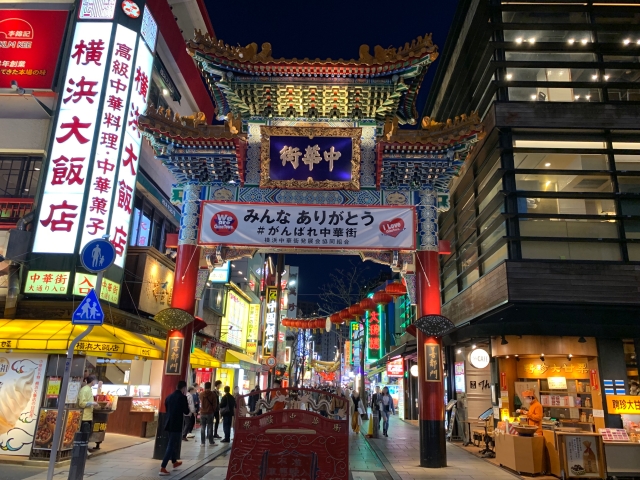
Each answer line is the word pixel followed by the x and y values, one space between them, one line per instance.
pixel 208 403
pixel 376 400
pixel 176 406
pixel 338 404
pixel 241 404
pixel 387 409
pixel 357 409
pixel 253 400
pixel 216 412
pixel 86 402
pixel 196 403
pixel 227 410
pixel 187 418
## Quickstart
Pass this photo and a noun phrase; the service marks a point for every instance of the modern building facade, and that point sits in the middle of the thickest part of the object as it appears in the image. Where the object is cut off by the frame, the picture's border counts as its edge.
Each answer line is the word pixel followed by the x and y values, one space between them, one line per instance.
pixel 545 215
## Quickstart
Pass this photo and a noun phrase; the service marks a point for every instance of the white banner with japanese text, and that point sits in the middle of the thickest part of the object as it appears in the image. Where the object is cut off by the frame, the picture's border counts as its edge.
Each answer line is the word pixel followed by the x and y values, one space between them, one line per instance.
pixel 308 226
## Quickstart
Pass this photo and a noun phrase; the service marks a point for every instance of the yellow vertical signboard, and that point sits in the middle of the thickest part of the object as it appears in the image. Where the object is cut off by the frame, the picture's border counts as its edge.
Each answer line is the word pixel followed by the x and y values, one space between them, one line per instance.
pixel 252 328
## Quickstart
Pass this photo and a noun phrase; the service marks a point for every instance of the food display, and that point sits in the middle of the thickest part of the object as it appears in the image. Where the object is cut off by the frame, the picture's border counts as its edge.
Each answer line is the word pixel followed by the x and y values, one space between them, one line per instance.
pixel 105 402
pixel 46 426
pixel 72 425
pixel 145 404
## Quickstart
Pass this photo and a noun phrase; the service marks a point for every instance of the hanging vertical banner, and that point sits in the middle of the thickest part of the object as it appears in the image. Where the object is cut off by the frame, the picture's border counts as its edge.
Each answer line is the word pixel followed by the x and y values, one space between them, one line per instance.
pixel 173 360
pixel 73 139
pixel 373 335
pixel 269 334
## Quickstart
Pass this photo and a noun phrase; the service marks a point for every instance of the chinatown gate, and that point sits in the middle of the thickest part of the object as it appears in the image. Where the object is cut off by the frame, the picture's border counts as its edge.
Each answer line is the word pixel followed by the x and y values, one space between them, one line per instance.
pixel 312 158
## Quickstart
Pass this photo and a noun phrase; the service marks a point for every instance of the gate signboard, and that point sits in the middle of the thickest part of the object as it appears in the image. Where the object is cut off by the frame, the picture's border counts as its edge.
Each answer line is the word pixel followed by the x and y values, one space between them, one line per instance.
pixel 334 226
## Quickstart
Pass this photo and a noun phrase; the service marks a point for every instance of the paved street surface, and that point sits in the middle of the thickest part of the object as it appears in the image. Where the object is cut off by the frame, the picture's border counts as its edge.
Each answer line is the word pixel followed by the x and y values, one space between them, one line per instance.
pixel 136 462
pixel 393 458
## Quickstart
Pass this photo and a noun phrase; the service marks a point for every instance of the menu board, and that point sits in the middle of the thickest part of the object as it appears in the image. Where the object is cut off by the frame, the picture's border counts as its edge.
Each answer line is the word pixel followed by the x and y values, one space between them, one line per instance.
pixel 44 431
pixel 582 456
pixel 71 426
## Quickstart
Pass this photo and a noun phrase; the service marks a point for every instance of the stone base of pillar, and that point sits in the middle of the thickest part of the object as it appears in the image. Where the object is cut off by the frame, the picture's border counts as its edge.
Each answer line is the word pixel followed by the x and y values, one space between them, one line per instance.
pixel 433 446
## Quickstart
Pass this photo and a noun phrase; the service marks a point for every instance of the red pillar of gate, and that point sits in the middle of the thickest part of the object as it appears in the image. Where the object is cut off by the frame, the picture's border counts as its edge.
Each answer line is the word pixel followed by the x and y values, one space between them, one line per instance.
pixel 184 297
pixel 433 452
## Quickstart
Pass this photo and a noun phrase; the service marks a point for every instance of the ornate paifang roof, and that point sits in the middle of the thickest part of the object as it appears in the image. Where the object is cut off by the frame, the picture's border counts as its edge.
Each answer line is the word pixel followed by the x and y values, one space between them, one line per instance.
pixel 194 151
pixel 251 83
pixel 430 157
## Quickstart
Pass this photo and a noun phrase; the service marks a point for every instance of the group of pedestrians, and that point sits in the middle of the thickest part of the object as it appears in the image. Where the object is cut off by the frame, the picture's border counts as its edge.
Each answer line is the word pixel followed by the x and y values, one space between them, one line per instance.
pixel 184 405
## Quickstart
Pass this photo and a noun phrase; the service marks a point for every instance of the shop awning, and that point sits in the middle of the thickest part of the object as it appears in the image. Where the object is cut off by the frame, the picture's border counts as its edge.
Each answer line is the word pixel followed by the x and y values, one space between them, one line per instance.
pixel 402 351
pixel 375 371
pixel 201 359
pixel 245 361
pixel 55 336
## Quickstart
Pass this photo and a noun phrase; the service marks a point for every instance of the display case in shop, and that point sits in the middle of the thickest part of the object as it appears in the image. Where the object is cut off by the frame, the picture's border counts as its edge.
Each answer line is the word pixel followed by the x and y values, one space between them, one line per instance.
pixel 145 404
pixel 134 416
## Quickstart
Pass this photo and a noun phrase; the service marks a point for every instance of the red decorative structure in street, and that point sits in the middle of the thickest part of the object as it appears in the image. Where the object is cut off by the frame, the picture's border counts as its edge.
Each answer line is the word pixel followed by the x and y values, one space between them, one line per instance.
pixel 290 438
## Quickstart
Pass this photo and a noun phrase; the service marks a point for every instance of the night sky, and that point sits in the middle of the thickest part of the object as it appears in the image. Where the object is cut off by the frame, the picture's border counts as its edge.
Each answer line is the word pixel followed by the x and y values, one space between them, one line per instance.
pixel 331 29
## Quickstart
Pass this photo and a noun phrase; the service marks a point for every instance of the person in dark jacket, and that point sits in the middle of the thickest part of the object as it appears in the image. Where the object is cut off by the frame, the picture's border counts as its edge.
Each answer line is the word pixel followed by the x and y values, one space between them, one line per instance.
pixel 254 397
pixel 227 410
pixel 177 407
pixel 208 404
pixel 216 411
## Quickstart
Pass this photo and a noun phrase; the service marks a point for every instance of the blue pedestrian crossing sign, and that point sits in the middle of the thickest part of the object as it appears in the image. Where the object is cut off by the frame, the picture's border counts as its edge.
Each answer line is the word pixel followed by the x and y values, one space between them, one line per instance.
pixel 89 312
pixel 98 255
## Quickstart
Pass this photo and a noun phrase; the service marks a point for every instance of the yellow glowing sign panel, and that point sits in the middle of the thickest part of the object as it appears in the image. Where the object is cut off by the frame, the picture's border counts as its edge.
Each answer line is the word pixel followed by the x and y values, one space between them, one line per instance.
pixel 234 323
pixel 110 291
pixel 553 367
pixel 252 328
pixel 623 404
pixel 44 282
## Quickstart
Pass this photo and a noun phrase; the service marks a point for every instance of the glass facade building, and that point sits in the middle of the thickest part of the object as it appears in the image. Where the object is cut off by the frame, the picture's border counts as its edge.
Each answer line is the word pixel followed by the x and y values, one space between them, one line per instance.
pixel 556 183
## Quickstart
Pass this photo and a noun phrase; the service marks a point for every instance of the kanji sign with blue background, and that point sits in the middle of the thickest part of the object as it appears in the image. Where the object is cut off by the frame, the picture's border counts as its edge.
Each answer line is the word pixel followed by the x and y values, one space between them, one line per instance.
pixel 321 158
pixel 98 255
pixel 89 312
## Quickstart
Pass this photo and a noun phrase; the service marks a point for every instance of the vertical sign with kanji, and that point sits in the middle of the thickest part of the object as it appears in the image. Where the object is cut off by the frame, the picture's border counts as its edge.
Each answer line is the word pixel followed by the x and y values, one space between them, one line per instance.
pixel 173 360
pixel 434 362
pixel 373 335
pixel 112 123
pixel 73 140
pixel 130 154
pixel 269 335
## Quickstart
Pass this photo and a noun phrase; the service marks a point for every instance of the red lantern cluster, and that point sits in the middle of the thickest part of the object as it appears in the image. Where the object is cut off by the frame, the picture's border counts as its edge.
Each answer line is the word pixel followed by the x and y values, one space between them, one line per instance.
pixel 356 310
pixel 368 305
pixel 335 319
pixel 345 315
pixel 382 298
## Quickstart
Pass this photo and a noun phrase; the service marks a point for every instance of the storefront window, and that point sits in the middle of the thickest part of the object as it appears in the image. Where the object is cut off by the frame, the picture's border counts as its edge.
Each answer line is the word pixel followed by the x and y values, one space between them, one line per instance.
pixel 557 227
pixel 542 94
pixel 622 75
pixel 632 229
pixel 19 176
pixel 627 162
pixel 495 258
pixel 624 94
pixel 450 292
pixel 490 195
pixel 574 206
pixel 629 184
pixel 560 161
pixel 560 144
pixel 633 250
pixel 563 183
pixel 551 74
pixel 544 17
pixel 571 250
pixel 550 56
pixel 539 36
pixel 449 273
pixel 496 235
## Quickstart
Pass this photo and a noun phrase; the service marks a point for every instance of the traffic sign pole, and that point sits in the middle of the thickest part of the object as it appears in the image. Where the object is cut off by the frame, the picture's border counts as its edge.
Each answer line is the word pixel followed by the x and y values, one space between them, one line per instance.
pixel 62 397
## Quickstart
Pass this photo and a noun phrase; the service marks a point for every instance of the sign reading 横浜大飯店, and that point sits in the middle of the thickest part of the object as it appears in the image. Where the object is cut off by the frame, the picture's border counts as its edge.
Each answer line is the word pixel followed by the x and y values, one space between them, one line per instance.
pixel 30 42
pixel 316 158
pixel 305 226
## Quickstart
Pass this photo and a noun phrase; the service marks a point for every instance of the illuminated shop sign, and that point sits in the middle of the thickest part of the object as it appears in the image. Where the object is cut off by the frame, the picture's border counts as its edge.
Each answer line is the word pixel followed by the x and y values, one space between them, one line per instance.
pixel 45 282
pixel 30 42
pixel 270 321
pixel 395 368
pixel 235 319
pixel 220 274
pixel 252 328
pixel 91 177
pixel 109 291
pixel 373 335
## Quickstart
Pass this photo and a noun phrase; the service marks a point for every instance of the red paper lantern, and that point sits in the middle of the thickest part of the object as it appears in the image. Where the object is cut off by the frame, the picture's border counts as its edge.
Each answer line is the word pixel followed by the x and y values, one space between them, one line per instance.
pixel 396 289
pixel 356 310
pixel 368 304
pixel 345 315
pixel 285 323
pixel 382 298
pixel 321 322
pixel 335 318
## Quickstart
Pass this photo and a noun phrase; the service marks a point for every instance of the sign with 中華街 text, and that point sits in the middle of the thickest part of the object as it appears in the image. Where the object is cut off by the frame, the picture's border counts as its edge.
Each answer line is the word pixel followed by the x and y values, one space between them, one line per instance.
pixel 46 282
pixel 173 360
pixel 314 158
pixel 434 362
pixel 308 226
pixel 629 404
